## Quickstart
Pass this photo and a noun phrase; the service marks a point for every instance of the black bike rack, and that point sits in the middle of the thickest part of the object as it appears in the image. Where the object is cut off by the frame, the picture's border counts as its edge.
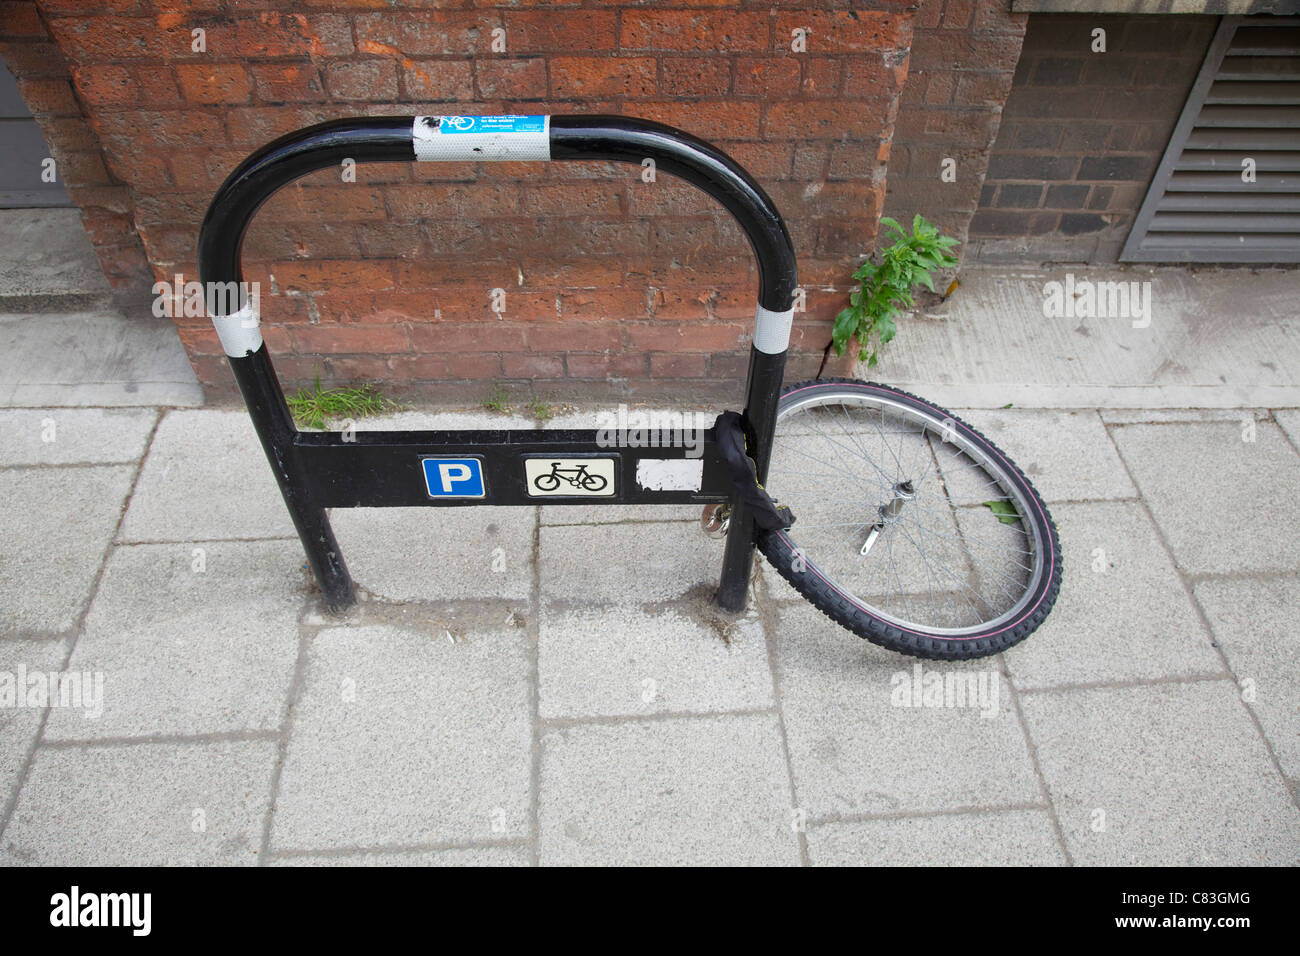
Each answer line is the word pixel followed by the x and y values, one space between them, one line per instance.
pixel 320 470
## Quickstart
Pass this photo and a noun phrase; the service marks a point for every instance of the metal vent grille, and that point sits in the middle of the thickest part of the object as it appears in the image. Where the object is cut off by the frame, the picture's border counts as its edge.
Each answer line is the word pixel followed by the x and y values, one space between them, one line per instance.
pixel 1245 105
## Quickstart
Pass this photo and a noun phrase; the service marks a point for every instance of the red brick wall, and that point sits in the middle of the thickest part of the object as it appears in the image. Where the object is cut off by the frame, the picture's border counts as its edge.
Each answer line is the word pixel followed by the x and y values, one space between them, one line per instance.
pixel 41 72
pixel 1083 133
pixel 389 278
pixel 963 59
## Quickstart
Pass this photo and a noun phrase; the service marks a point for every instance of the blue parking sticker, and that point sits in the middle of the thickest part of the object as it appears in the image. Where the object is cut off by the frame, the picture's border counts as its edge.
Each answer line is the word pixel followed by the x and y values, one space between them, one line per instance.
pixel 454 477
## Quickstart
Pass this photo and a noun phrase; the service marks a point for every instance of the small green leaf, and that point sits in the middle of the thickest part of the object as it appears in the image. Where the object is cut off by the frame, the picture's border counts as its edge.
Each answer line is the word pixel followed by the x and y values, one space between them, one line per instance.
pixel 846 323
pixel 1005 511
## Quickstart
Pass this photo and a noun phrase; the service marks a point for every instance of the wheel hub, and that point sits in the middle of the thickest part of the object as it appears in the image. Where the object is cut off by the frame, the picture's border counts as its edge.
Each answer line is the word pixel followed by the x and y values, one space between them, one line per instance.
pixel 887 513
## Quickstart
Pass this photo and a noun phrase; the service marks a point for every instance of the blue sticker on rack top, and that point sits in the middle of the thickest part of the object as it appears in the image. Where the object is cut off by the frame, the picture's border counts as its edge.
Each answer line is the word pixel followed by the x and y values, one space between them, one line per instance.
pixel 492 124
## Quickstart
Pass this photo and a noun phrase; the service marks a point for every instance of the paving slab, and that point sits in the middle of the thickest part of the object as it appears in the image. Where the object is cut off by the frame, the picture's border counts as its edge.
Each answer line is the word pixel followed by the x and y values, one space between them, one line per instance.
pixel 1065 453
pixel 400 737
pixel 1162 775
pixel 627 661
pixel 991 343
pixel 627 563
pixel 435 554
pixel 93 358
pixel 47 252
pixel 54 529
pixel 1254 622
pixel 1005 838
pixel 190 640
pixel 20 712
pixel 206 477
pixel 61 436
pixel 161 804
pixel 681 791
pixel 1223 503
pixel 860 742
pixel 460 856
pixel 1122 613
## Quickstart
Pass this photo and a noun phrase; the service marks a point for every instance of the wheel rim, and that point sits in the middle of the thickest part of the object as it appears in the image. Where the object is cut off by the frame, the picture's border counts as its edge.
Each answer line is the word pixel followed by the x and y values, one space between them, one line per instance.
pixel 940 561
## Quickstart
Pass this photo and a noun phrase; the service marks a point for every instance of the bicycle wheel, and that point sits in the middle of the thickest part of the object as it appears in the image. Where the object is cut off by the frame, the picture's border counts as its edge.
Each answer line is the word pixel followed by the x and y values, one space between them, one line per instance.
pixel 913 530
pixel 593 482
pixel 547 482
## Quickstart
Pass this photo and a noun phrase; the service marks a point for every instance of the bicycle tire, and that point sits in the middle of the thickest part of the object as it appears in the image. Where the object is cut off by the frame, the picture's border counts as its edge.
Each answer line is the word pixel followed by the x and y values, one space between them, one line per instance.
pixel 782 550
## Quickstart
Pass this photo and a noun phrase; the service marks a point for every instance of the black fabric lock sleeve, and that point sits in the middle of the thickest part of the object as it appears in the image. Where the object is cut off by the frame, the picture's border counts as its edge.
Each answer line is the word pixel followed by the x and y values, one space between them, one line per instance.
pixel 767 514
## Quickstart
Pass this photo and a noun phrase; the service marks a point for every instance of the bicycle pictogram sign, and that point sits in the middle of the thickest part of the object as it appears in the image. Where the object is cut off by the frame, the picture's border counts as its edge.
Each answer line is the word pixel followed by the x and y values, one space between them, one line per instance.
pixel 577 476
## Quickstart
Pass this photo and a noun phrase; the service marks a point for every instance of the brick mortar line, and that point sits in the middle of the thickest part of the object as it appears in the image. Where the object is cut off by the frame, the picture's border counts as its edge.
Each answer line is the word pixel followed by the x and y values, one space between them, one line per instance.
pixel 1044 789
pixel 1190 591
pixel 75 632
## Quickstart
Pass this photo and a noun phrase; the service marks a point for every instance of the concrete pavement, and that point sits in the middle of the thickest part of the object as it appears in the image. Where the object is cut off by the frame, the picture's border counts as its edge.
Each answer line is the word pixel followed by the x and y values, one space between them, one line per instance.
pixel 549 685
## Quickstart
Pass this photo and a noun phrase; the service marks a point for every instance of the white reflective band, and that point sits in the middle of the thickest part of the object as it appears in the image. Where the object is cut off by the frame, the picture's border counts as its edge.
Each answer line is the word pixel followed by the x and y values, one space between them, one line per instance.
pixel 480 138
pixel 772 330
pixel 239 331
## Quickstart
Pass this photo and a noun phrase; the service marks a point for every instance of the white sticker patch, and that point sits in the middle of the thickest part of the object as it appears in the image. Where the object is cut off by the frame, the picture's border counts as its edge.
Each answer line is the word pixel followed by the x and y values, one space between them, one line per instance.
pixel 481 138
pixel 569 477
pixel 670 474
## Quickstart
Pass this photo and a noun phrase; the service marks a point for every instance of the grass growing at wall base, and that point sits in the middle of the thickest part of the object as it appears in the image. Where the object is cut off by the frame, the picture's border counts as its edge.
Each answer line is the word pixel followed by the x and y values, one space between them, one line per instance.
pixel 311 408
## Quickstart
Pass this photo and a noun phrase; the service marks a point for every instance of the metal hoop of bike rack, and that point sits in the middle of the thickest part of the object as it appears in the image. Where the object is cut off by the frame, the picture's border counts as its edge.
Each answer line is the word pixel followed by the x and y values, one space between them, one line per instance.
pixel 320 470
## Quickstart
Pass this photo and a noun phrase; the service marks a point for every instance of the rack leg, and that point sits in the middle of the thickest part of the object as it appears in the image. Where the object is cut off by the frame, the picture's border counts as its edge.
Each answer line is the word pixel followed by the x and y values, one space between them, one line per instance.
pixel 737 560
pixel 276 431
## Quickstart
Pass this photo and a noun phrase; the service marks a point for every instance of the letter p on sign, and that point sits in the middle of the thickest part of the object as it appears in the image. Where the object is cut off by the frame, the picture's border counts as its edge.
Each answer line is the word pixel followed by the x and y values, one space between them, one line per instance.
pixel 454 477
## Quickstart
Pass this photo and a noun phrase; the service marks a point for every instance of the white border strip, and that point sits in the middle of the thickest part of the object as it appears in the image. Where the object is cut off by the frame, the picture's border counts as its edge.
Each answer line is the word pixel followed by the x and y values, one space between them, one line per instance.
pixel 239 331
pixel 477 139
pixel 772 330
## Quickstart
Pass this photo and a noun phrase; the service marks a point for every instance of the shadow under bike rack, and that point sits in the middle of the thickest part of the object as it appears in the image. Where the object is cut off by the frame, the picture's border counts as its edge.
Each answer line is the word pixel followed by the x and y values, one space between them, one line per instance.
pixel 320 470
